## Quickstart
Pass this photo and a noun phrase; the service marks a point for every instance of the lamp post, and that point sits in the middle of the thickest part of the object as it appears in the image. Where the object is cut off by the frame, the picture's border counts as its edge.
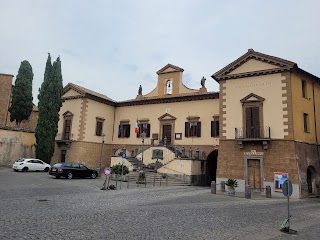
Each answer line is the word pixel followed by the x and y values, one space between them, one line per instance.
pixel 103 135
pixel 143 137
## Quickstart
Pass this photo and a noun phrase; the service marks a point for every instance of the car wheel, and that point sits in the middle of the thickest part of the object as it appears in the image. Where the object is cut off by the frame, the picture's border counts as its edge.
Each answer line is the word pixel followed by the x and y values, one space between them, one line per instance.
pixel 58 177
pixel 15 170
pixel 93 175
pixel 70 175
pixel 46 169
pixel 25 169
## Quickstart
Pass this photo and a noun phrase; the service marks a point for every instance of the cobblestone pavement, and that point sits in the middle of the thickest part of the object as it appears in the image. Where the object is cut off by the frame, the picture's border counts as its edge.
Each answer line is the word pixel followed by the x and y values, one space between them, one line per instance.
pixel 37 206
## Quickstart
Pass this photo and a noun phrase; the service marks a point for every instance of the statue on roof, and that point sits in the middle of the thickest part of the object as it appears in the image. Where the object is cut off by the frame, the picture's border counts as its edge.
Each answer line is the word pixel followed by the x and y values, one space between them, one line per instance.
pixel 203 82
pixel 140 90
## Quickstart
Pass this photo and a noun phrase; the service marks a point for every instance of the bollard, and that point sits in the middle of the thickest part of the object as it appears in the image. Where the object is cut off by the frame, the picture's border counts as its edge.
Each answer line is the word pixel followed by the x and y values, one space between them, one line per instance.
pixel 223 186
pixel 268 191
pixel 213 187
pixel 248 192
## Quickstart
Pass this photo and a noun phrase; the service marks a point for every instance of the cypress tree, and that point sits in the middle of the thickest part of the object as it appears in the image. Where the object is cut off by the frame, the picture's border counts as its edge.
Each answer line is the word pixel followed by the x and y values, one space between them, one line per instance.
pixel 21 103
pixel 49 106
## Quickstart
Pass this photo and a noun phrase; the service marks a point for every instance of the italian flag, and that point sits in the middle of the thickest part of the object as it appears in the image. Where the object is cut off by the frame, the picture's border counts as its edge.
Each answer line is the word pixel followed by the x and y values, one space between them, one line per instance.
pixel 136 130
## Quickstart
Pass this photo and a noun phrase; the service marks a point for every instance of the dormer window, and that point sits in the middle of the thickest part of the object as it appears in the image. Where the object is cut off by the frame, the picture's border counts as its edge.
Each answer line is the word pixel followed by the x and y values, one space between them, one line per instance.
pixel 169 87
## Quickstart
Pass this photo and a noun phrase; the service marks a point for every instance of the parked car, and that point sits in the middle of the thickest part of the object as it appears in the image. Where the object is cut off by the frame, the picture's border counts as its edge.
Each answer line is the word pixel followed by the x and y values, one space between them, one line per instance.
pixel 72 170
pixel 30 164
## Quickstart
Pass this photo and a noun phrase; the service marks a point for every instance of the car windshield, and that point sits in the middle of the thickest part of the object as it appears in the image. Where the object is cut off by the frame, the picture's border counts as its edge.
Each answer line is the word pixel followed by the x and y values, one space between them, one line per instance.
pixel 57 165
pixel 20 160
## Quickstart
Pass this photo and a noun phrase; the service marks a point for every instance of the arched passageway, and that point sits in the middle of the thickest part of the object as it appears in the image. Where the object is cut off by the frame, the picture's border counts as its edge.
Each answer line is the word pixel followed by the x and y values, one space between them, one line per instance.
pixel 211 167
pixel 311 181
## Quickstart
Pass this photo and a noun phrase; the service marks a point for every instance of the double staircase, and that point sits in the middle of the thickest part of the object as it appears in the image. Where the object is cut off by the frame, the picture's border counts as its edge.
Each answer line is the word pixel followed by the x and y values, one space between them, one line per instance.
pixel 153 178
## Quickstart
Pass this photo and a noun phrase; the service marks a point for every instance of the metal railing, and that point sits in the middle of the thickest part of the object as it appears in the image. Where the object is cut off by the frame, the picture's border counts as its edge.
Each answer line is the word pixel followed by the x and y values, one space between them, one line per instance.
pixel 252 133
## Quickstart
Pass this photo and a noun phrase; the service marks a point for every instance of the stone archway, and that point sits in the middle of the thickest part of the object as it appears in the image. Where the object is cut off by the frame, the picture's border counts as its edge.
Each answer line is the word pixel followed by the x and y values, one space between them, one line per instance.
pixel 311 179
pixel 211 167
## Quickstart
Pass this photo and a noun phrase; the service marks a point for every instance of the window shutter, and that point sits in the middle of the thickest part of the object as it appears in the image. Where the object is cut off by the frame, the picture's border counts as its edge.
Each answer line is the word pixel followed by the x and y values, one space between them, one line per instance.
pixel 217 128
pixel 212 128
pixel 248 122
pixel 119 130
pixel 256 122
pixel 186 129
pixel 199 129
pixel 140 130
pixel 128 132
pixel 99 128
pixel 148 130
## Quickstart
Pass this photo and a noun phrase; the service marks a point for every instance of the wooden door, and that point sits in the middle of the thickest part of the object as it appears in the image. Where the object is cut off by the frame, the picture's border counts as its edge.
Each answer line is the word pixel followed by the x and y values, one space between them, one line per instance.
pixel 166 132
pixel 254 174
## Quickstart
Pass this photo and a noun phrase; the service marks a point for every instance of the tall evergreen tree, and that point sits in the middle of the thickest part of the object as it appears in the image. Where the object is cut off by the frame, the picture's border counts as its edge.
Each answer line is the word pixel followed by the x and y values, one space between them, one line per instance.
pixel 21 104
pixel 49 106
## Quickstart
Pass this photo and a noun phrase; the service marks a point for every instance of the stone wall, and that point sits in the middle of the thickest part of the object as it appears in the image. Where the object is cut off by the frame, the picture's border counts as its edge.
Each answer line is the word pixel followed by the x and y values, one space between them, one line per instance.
pixel 85 152
pixel 15 145
pixel 5 93
pixel 307 156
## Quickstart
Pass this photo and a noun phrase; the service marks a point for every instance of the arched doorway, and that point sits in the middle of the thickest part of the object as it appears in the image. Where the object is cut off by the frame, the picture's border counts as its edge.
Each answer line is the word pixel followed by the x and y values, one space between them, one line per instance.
pixel 211 167
pixel 311 171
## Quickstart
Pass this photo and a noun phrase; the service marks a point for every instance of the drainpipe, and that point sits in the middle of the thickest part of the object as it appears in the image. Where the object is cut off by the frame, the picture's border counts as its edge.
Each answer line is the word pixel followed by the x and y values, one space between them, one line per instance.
pixel 114 117
pixel 315 118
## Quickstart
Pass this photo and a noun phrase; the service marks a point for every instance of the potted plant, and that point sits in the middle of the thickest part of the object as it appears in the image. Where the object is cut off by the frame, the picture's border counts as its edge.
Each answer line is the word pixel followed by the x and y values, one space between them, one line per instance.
pixel 232 184
pixel 117 169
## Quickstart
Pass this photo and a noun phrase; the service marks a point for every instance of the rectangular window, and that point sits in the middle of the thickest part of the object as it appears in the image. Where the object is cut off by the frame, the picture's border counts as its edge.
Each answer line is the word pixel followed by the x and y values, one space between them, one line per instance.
pixel 99 127
pixel 252 122
pixel 124 130
pixel 306 122
pixel 192 129
pixel 67 129
pixel 304 89
pixel 144 127
pixel 214 128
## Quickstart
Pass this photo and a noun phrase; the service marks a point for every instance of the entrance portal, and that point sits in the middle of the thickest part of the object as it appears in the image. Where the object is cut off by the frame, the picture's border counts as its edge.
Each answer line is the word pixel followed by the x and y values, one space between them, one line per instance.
pixel 166 132
pixel 254 174
pixel 311 179
pixel 211 169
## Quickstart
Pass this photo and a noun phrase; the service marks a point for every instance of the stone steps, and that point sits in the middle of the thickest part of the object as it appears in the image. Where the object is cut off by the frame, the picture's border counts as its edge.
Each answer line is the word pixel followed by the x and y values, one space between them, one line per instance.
pixel 153 178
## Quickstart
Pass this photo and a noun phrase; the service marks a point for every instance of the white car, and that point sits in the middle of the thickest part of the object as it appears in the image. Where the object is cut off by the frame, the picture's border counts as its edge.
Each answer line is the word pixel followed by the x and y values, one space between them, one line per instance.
pixel 30 164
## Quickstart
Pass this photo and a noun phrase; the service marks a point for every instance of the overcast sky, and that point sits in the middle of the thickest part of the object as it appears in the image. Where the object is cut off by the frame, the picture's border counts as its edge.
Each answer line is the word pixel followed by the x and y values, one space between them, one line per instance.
pixel 114 46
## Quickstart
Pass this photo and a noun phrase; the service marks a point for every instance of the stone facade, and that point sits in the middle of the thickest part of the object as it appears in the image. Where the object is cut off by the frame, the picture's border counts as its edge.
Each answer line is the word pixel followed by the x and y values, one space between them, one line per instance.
pixel 5 93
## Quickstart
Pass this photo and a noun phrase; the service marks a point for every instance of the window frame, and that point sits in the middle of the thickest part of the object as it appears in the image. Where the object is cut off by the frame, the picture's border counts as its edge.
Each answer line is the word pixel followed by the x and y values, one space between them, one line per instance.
pixel 99 131
pixel 124 130
pixel 144 126
pixel 195 132
pixel 304 88
pixel 306 125
pixel 215 124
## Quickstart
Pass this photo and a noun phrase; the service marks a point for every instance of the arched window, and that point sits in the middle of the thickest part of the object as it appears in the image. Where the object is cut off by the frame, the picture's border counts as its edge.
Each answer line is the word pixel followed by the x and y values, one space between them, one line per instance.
pixel 169 87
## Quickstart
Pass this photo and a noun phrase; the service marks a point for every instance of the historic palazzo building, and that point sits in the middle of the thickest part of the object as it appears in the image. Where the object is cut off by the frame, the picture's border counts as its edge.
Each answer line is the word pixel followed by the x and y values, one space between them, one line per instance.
pixel 261 128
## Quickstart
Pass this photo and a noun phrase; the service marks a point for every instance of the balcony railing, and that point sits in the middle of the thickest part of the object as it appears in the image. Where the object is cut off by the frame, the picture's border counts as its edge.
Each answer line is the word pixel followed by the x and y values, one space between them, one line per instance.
pixel 252 133
pixel 61 137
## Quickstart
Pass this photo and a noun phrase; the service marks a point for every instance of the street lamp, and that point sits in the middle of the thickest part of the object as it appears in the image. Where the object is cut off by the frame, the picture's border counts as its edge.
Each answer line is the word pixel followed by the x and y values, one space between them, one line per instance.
pixel 103 135
pixel 143 137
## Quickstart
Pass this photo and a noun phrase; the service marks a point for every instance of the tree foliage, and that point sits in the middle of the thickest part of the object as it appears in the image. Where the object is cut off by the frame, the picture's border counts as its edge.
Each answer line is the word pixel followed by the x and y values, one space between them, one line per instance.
pixel 21 103
pixel 49 106
pixel 117 169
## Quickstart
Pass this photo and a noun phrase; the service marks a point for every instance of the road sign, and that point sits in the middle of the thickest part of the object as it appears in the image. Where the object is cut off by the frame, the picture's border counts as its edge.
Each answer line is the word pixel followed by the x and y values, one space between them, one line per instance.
pixel 107 171
pixel 124 156
pixel 123 160
pixel 287 188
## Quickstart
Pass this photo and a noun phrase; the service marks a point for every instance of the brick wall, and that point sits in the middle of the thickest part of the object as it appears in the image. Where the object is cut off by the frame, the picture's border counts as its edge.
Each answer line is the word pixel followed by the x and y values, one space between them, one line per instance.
pixel 279 157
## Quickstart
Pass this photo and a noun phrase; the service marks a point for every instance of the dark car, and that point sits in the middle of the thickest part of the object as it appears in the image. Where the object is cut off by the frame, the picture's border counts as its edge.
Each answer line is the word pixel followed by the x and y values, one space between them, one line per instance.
pixel 72 170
